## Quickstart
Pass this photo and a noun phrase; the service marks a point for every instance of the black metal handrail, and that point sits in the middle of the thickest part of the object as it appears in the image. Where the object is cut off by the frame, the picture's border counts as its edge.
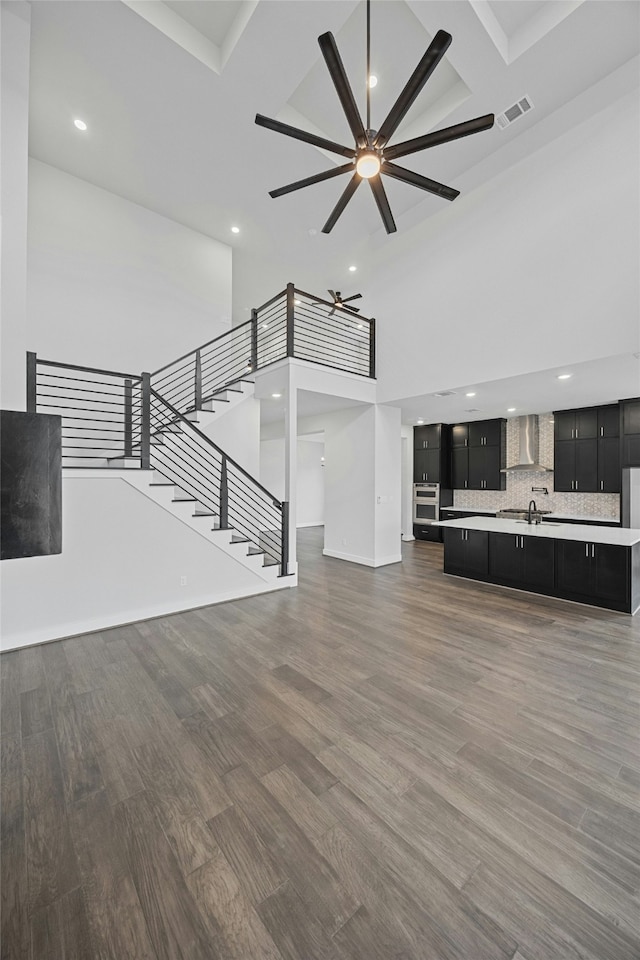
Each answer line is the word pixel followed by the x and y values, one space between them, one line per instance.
pixel 102 411
pixel 292 323
pixel 196 464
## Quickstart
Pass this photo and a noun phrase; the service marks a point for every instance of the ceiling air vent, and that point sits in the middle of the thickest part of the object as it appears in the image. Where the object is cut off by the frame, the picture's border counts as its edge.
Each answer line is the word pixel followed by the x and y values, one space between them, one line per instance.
pixel 513 113
pixel 445 393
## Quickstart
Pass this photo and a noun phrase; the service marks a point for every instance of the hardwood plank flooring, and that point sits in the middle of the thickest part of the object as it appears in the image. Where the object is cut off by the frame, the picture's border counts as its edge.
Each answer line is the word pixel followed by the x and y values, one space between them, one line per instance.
pixel 382 764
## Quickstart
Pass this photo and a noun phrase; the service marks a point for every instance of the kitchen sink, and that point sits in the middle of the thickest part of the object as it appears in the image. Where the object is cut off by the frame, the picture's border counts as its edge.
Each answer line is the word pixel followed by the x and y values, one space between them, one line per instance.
pixel 543 523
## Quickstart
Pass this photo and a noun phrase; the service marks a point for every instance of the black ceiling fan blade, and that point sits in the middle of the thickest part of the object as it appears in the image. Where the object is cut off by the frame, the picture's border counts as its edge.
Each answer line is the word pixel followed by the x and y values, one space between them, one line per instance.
pixel 343 87
pixel 309 181
pixel 332 294
pixel 440 136
pixel 348 192
pixel 417 180
pixel 380 196
pixel 434 54
pixel 297 134
pixel 356 296
pixel 351 309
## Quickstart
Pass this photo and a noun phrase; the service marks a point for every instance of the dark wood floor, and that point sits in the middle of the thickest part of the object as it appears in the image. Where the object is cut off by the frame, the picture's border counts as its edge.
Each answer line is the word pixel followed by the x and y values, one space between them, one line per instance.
pixel 379 765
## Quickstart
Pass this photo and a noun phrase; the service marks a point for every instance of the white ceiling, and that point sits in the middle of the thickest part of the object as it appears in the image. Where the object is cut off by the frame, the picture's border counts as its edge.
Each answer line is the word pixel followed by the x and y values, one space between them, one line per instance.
pixel 171 119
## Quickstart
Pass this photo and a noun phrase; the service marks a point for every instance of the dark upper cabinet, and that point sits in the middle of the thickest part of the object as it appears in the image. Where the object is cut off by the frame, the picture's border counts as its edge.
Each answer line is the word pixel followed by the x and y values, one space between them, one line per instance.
pixel 630 439
pixel 609 472
pixel 485 464
pixel 427 437
pixel 576 424
pixel 586 450
pixel 426 466
pixel 609 421
pixel 477 455
pixel 485 433
pixel 460 435
pixel 431 454
pixel 460 468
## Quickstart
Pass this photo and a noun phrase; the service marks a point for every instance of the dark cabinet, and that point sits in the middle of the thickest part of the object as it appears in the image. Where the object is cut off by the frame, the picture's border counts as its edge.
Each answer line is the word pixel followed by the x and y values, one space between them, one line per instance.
pixel 630 439
pixel 460 435
pixel 427 437
pixel 609 472
pixel 522 561
pixel 485 464
pixel 478 455
pixel 431 454
pixel 485 433
pixel 460 468
pixel 576 424
pixel 586 450
pixel 426 466
pixel 466 553
pixel 593 572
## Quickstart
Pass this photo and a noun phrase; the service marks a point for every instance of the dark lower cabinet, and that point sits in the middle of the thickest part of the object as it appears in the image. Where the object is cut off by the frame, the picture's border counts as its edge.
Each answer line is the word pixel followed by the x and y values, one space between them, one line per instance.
pixel 467 553
pixel 522 561
pixel 594 573
pixel 600 574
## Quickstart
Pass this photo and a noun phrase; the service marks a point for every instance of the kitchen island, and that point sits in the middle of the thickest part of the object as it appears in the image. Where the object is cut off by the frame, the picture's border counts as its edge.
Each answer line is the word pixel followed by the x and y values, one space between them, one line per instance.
pixel 596 565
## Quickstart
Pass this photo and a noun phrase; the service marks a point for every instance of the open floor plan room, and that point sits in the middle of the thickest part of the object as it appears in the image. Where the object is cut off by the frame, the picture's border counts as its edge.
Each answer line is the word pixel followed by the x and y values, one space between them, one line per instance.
pixel 381 764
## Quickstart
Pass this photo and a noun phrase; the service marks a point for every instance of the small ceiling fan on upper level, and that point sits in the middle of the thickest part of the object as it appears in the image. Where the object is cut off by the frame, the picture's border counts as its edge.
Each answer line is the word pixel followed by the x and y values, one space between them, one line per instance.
pixel 372 157
pixel 340 301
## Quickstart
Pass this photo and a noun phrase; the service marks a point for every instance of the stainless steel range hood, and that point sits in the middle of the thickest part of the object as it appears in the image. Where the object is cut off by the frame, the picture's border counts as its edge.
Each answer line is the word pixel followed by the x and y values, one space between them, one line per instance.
pixel 528 448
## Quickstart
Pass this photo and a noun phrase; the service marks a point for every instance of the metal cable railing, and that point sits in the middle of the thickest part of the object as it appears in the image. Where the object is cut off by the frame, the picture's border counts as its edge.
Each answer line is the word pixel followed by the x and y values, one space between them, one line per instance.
pixel 292 324
pixel 188 458
pixel 101 410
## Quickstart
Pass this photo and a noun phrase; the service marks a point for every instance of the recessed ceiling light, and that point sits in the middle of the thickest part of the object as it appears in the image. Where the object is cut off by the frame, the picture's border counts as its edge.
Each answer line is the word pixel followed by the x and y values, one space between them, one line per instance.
pixel 265 326
pixel 79 124
pixel 352 269
pixel 469 394
pixel 563 376
pixel 373 81
pixel 276 396
pixel 511 409
pixel 297 302
pixel 360 326
pixel 419 421
pixel 235 229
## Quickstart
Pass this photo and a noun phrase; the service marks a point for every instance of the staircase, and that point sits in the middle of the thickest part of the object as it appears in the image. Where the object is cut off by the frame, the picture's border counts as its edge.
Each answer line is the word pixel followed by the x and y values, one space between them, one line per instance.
pixel 148 429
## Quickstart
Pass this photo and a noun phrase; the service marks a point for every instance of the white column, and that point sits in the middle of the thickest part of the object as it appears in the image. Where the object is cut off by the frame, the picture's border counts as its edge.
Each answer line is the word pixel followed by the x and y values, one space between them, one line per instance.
pixel 291 463
pixel 16 29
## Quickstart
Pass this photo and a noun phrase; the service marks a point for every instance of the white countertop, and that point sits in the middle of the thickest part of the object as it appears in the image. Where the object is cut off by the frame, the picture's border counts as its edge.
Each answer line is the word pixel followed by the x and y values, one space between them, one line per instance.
pixel 620 536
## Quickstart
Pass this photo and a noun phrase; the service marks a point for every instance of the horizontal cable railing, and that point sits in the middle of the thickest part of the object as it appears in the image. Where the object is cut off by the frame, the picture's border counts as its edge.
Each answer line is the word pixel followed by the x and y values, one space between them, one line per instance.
pixel 187 457
pixel 292 324
pixel 101 410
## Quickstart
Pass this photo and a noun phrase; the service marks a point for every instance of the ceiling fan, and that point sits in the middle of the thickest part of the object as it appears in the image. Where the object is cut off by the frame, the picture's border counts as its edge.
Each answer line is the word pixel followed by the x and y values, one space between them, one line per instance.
pixel 372 157
pixel 340 301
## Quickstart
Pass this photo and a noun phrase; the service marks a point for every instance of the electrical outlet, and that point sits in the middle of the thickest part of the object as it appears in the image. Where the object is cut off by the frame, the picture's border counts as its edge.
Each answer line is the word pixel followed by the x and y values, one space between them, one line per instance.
pixel 183 581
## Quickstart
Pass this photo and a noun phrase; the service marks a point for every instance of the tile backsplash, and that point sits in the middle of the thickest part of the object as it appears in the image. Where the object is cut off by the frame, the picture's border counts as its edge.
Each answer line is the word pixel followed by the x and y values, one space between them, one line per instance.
pixel 518 492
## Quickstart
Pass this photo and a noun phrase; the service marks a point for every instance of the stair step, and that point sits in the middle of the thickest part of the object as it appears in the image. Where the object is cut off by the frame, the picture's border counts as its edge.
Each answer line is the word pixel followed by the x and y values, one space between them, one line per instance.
pixel 205 513
pixel 254 552
pixel 240 540
pixel 167 483
pixel 186 499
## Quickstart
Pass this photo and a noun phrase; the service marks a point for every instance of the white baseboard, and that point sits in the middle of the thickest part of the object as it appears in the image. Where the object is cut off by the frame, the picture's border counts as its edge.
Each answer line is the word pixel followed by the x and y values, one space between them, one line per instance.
pixel 89 625
pixel 365 561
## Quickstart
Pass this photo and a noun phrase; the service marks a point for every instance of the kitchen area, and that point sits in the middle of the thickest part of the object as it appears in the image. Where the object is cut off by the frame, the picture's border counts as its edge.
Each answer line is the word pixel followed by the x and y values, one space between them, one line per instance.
pixel 548 503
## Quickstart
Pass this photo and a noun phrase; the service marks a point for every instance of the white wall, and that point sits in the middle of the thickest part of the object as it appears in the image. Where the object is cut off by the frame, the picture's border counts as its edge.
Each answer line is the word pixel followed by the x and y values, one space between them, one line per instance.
pixel 362 485
pixel 122 559
pixel 537 268
pixel 14 112
pixel 111 284
pixel 310 477
pixel 237 432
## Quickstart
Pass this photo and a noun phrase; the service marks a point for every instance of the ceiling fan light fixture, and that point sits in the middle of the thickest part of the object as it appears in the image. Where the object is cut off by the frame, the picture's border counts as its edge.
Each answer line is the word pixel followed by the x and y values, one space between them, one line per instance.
pixel 368 165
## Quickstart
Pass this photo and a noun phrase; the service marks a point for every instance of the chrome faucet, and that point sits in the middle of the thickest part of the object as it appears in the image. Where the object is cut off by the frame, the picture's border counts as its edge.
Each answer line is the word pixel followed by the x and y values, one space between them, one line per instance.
pixel 532 503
